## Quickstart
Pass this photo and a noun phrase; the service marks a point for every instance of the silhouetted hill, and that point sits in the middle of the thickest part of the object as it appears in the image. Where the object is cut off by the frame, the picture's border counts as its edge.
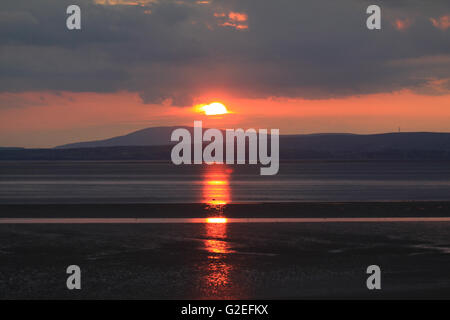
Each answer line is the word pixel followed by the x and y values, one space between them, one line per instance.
pixel 154 144
pixel 160 136
pixel 157 136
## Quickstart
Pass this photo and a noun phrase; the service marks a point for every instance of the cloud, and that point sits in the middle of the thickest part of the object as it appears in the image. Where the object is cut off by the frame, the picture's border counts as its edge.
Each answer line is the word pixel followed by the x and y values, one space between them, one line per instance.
pixel 402 24
pixel 238 16
pixel 174 51
pixel 442 23
pixel 15 100
pixel 124 2
pixel 236 20
pixel 234 25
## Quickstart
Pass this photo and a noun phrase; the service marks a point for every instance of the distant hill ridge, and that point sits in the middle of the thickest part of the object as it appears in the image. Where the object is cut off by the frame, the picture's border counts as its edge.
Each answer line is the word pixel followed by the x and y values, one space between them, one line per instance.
pixel 160 136
pixel 155 144
pixel 155 136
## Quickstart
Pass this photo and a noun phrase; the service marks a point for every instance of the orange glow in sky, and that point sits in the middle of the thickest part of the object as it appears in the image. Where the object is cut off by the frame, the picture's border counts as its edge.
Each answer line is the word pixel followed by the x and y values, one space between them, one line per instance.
pixel 46 119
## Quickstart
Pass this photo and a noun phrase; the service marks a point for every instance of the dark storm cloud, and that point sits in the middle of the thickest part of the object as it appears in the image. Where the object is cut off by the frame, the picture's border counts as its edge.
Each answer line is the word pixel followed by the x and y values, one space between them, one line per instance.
pixel 177 50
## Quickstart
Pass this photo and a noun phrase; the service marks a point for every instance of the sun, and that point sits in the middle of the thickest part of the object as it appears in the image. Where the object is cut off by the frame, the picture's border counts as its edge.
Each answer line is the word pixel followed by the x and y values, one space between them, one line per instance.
pixel 214 108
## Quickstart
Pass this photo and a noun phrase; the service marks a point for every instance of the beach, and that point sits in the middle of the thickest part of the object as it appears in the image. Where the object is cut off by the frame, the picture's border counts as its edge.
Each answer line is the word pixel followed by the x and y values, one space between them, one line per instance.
pixel 227 260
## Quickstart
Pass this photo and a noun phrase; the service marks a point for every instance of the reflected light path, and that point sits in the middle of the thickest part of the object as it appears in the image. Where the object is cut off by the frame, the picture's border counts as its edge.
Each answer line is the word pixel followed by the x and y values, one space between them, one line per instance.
pixel 216 279
pixel 216 186
pixel 216 195
pixel 216 220
pixel 216 234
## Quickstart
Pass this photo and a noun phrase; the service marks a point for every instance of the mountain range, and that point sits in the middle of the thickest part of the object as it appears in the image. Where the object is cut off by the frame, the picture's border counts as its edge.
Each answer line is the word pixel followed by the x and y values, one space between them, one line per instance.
pixel 156 136
pixel 159 136
pixel 154 144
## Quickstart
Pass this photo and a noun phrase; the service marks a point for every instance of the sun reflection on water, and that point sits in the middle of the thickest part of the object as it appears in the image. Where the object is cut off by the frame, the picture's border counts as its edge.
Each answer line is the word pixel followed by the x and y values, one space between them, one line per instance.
pixel 216 238
pixel 216 187
pixel 216 220
pixel 216 195
pixel 218 270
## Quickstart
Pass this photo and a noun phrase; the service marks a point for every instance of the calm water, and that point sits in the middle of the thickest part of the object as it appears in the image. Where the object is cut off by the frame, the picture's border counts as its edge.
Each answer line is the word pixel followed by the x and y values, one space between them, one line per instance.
pixel 155 182
pixel 217 259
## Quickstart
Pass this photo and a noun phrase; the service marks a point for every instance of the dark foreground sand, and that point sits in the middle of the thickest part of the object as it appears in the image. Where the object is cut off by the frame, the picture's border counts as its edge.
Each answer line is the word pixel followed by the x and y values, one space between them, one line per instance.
pixel 231 261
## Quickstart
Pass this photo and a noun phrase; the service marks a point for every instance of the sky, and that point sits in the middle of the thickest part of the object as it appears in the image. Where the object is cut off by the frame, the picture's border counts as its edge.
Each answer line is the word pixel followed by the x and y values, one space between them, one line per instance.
pixel 300 66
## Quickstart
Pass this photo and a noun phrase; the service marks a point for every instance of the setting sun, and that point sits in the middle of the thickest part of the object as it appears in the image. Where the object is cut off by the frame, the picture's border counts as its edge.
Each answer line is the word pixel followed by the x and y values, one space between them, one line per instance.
pixel 214 108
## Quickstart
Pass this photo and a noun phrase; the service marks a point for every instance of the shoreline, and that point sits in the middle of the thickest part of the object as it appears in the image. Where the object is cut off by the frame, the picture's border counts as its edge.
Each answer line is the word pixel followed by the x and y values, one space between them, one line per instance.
pixel 388 209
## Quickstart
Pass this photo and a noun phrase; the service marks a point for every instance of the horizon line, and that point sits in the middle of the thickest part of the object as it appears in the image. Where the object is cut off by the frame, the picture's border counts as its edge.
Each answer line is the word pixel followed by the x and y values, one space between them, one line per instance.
pixel 159 127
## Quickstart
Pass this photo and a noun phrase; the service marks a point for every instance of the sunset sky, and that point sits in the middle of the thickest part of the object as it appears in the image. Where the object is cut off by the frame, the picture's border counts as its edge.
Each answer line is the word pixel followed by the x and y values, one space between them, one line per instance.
pixel 300 66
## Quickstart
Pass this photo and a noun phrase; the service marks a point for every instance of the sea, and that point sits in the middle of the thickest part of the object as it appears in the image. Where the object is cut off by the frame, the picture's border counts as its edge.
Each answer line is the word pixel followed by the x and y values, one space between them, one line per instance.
pixel 163 182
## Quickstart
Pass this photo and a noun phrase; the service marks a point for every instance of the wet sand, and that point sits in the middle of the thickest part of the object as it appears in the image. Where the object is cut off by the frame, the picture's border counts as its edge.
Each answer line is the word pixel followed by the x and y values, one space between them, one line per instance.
pixel 228 260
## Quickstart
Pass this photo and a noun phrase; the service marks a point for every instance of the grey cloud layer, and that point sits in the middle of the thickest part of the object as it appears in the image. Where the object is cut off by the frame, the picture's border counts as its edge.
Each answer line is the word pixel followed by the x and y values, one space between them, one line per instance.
pixel 311 49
